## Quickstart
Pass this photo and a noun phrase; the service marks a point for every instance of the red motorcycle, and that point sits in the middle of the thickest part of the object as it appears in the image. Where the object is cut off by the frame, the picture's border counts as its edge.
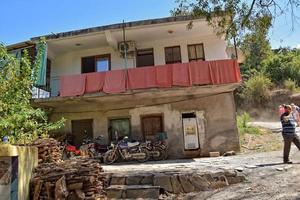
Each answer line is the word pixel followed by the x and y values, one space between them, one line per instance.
pixel 69 151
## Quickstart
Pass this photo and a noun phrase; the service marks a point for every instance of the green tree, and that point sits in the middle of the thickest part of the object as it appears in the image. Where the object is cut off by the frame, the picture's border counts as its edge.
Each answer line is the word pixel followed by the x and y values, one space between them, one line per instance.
pixel 18 118
pixel 235 18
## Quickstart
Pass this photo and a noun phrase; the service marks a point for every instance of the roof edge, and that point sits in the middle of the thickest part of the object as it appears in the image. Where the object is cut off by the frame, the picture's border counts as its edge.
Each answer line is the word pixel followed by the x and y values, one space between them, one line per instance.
pixel 118 26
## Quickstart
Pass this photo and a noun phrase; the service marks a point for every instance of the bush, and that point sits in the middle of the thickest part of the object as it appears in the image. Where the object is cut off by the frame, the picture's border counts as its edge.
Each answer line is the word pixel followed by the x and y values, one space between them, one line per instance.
pixel 290 85
pixel 257 89
pixel 243 127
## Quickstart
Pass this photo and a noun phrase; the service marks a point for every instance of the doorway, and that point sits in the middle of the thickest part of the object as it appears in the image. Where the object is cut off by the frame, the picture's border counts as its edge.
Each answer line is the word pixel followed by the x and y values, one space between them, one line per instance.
pixel 151 125
pixel 119 128
pixel 81 129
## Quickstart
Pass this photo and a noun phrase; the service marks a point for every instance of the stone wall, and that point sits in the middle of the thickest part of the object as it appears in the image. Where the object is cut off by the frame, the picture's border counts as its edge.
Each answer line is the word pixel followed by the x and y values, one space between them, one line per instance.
pixel 218 131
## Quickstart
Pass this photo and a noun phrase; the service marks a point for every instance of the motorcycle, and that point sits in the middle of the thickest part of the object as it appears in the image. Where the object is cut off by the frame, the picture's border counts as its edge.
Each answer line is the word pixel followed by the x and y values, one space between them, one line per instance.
pixel 95 147
pixel 127 151
pixel 69 151
pixel 157 150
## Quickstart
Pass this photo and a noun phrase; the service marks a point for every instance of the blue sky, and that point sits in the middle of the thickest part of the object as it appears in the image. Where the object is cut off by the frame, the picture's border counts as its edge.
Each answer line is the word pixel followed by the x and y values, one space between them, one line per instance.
pixel 23 19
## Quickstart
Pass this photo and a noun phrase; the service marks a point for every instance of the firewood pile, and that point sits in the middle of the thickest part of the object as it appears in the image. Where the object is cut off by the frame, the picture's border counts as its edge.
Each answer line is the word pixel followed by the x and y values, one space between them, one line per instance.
pixel 72 179
pixel 48 150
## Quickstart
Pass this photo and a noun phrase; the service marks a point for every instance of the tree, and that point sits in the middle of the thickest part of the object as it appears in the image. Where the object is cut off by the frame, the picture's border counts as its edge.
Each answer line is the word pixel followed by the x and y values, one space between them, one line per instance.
pixel 235 18
pixel 18 118
pixel 256 46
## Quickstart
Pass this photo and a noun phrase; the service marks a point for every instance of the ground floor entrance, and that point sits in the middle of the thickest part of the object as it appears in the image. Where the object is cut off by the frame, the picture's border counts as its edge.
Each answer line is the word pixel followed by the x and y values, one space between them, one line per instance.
pixel 81 129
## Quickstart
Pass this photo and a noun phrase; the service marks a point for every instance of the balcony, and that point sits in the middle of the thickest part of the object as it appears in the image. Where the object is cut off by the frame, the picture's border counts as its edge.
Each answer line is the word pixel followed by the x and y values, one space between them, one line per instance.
pixel 198 73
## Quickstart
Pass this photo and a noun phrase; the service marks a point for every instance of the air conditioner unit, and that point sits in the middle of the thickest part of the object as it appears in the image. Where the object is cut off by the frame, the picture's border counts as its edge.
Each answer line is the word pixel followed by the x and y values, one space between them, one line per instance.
pixel 129 46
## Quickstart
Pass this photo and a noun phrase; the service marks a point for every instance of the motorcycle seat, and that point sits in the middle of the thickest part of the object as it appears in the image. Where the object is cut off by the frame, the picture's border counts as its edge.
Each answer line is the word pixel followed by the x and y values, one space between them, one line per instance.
pixel 132 144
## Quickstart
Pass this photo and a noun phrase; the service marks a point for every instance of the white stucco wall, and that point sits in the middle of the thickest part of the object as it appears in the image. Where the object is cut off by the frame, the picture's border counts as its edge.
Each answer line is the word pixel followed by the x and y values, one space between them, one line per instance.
pixel 70 63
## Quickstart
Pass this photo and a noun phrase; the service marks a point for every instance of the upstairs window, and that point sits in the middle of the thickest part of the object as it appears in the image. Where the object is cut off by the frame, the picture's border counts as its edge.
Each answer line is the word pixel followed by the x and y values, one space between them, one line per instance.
pixel 172 55
pixel 144 57
pixel 196 52
pixel 100 63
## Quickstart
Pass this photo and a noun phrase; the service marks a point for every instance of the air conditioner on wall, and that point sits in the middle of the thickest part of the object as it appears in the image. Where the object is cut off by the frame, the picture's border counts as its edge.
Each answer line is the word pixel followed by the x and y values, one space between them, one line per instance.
pixel 129 46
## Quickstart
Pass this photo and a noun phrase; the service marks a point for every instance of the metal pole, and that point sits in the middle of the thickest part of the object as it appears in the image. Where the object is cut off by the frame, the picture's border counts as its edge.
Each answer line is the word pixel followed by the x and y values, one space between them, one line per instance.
pixel 125 50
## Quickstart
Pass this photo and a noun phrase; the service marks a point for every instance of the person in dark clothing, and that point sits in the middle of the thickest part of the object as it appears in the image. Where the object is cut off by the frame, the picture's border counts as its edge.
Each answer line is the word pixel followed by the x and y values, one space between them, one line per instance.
pixel 289 133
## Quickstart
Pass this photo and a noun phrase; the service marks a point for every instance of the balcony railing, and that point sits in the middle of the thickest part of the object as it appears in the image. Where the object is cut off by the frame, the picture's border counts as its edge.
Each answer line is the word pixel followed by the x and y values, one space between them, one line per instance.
pixel 164 76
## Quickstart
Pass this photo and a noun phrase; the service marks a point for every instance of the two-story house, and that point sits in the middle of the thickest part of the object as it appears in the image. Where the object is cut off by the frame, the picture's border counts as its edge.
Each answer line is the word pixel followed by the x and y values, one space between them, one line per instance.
pixel 139 78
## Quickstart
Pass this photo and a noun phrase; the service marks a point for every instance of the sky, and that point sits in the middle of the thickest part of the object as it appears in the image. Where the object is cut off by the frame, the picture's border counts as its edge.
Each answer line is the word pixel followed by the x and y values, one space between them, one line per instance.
pixel 24 19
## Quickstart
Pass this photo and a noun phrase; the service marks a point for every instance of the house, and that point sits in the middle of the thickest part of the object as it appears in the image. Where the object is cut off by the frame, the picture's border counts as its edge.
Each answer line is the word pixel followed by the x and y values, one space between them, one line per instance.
pixel 165 77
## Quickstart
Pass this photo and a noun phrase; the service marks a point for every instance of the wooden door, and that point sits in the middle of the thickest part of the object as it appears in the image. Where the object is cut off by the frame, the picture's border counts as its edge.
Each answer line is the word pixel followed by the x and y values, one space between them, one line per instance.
pixel 151 125
pixel 81 129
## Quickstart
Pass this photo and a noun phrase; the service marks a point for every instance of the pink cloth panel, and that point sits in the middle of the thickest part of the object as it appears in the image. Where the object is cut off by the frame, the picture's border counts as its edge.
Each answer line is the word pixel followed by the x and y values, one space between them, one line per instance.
pixel 224 71
pixel 200 73
pixel 73 85
pixel 164 76
pixel 94 82
pixel 141 78
pixel 180 74
pixel 115 82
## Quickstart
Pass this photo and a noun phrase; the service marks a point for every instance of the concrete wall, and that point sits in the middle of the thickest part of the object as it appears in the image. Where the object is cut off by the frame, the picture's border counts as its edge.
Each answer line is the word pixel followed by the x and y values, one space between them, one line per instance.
pixel 218 130
pixel 70 63
pixel 28 160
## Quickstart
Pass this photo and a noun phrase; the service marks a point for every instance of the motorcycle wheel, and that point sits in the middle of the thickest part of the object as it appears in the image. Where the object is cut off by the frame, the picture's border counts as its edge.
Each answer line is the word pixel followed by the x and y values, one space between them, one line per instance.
pixel 162 154
pixel 110 157
pixel 147 155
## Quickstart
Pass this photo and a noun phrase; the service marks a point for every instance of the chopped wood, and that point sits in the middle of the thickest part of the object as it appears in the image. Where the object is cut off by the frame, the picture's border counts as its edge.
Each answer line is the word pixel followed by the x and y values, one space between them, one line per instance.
pixel 49 150
pixel 66 180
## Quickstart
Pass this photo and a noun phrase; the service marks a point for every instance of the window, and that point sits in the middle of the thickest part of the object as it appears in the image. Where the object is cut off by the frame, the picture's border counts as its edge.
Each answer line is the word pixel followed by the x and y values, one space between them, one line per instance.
pixel 99 63
pixel 144 57
pixel 196 52
pixel 173 55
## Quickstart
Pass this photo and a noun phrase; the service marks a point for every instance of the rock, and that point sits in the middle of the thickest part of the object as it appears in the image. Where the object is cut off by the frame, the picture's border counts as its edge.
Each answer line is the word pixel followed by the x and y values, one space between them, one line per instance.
pixel 163 181
pixel 230 173
pixel 186 184
pixel 279 169
pixel 117 180
pixel 133 180
pixel 147 180
pixel 239 169
pixel 142 192
pixel 214 154
pixel 200 183
pixel 176 186
pixel 115 192
pixel 237 179
pixel 229 153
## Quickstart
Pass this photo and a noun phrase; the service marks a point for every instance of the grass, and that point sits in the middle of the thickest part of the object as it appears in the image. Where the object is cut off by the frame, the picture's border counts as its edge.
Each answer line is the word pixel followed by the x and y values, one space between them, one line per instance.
pixel 253 139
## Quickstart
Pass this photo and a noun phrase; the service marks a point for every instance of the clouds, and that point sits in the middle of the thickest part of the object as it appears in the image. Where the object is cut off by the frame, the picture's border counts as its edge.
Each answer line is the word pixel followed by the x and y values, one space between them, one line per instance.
pixel 298 46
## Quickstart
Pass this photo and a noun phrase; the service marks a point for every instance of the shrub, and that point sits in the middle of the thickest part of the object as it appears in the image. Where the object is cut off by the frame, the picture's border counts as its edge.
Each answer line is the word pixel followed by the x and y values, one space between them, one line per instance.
pixel 257 89
pixel 243 126
pixel 290 85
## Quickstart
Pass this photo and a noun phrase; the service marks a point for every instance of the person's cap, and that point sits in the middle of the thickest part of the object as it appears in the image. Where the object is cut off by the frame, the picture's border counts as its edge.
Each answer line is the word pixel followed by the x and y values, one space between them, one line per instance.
pixel 292 104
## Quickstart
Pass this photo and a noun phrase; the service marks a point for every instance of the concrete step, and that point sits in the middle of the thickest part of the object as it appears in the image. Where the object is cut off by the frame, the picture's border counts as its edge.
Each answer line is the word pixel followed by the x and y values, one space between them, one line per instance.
pixel 132 192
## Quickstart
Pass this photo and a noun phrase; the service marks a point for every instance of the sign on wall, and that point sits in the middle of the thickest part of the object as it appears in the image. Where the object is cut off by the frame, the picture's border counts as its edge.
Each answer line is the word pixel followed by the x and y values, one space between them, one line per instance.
pixel 190 131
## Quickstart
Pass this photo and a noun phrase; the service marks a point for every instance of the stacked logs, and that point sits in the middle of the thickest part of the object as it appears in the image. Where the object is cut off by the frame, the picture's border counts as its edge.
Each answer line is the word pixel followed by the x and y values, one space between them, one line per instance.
pixel 72 179
pixel 49 150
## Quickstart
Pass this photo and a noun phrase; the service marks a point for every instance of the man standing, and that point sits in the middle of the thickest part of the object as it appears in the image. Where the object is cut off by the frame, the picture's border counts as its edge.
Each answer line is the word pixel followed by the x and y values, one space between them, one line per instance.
pixel 289 133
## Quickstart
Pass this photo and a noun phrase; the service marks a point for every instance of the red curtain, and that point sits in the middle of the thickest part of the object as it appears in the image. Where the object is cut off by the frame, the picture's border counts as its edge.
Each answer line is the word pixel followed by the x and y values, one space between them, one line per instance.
pixel 115 82
pixel 73 85
pixel 94 82
pixel 165 76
